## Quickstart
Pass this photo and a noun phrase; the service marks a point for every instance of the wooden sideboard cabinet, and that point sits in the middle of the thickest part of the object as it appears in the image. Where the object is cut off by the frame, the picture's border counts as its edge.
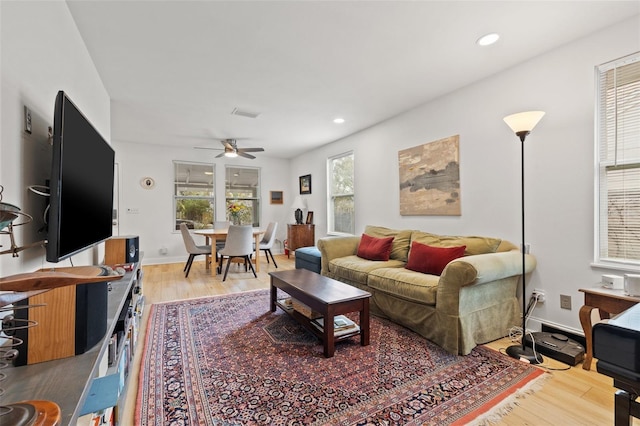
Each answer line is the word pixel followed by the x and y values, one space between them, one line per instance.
pixel 300 236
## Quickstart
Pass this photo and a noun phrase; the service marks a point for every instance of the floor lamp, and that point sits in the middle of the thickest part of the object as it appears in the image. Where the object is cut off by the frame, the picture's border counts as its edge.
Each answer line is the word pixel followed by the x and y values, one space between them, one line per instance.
pixel 522 124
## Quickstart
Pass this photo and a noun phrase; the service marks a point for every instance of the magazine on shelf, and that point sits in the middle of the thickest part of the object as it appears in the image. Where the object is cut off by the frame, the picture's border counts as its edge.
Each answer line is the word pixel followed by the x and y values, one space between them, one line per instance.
pixel 286 304
pixel 341 325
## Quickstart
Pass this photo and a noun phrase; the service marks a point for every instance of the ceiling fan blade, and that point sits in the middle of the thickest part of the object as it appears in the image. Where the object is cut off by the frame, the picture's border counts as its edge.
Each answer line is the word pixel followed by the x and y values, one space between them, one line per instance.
pixel 209 148
pixel 227 143
pixel 219 155
pixel 245 155
pixel 251 149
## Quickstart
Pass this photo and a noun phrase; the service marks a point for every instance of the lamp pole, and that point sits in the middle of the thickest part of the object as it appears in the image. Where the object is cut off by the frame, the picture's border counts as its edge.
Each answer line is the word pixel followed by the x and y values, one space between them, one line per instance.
pixel 522 124
pixel 523 249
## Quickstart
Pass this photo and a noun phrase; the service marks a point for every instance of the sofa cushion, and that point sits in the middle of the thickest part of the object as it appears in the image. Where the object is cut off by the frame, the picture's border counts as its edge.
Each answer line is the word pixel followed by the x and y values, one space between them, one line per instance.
pixel 401 240
pixel 355 269
pixel 373 248
pixel 475 245
pixel 432 260
pixel 405 284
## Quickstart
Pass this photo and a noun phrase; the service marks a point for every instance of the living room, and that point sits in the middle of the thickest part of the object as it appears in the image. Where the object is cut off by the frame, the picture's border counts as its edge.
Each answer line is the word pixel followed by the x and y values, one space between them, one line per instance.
pixel 43 52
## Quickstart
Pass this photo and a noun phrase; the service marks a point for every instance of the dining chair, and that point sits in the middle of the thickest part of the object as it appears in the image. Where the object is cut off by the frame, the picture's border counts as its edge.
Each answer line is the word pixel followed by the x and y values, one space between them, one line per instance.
pixel 239 244
pixel 267 241
pixel 192 248
pixel 220 224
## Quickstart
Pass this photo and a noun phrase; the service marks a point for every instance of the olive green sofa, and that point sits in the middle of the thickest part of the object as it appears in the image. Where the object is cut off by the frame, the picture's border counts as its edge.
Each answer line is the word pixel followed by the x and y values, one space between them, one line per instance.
pixel 472 302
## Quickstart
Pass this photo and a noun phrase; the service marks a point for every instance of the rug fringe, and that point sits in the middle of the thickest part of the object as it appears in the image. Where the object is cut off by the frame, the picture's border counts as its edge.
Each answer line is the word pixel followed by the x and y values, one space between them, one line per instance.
pixel 506 406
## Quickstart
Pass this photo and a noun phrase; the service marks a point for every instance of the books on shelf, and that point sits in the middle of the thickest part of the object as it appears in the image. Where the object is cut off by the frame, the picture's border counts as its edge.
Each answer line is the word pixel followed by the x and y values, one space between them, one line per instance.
pixel 341 325
pixel 286 304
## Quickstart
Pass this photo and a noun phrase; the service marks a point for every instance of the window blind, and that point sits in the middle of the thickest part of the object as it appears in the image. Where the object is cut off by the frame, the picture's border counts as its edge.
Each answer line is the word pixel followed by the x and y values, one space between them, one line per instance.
pixel 618 140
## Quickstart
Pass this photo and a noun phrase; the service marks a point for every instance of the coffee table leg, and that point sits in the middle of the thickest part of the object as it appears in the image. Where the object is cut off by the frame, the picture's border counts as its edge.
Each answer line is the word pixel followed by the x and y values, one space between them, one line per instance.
pixel 328 337
pixel 274 295
pixel 364 323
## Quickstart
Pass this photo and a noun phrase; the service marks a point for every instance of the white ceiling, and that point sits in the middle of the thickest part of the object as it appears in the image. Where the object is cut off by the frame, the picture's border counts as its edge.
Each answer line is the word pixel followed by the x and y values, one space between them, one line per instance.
pixel 175 70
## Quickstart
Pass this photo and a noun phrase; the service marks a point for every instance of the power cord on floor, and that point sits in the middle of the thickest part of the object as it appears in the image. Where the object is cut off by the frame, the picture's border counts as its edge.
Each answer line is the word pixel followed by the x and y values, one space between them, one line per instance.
pixel 516 335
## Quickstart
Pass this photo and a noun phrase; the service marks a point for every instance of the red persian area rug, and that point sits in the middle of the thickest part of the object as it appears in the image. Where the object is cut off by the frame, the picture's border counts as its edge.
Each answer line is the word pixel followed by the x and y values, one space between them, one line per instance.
pixel 228 360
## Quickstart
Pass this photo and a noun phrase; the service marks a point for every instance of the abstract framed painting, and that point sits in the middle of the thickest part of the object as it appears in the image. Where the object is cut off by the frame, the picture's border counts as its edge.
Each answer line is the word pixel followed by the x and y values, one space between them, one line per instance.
pixel 430 179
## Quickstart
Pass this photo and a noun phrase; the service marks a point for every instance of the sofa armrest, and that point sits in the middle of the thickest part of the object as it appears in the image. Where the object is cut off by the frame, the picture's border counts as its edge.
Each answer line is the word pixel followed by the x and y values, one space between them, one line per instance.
pixel 334 247
pixel 484 268
pixel 476 270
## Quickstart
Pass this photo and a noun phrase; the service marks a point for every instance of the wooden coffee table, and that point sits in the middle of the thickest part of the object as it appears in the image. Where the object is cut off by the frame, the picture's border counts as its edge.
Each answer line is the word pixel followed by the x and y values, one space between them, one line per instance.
pixel 326 296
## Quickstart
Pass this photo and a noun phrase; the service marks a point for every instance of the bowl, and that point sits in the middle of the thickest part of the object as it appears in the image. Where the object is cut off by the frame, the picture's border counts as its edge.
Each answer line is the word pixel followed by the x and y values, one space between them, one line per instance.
pixel 7 214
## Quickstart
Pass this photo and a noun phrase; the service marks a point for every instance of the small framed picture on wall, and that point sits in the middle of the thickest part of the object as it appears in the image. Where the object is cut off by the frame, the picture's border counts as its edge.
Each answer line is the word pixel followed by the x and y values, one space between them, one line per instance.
pixel 277 197
pixel 305 184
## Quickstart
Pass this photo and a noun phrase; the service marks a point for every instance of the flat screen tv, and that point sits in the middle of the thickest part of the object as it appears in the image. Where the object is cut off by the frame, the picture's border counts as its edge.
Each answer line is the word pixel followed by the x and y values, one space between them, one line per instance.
pixel 81 185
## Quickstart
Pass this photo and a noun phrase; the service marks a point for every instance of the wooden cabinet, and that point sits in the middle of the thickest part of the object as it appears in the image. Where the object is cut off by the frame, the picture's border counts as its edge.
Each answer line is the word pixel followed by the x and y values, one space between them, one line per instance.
pixel 300 236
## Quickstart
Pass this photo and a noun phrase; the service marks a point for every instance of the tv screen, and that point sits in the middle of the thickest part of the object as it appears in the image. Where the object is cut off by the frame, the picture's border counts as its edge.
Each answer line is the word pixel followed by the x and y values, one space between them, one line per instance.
pixel 81 186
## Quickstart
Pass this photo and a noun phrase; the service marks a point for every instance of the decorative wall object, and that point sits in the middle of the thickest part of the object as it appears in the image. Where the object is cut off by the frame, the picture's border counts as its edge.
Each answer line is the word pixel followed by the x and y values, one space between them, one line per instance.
pixel 147 182
pixel 430 178
pixel 277 197
pixel 309 218
pixel 305 184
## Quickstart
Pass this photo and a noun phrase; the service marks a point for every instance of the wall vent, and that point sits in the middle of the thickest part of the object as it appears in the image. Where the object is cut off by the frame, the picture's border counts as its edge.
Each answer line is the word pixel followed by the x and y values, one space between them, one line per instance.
pixel 238 111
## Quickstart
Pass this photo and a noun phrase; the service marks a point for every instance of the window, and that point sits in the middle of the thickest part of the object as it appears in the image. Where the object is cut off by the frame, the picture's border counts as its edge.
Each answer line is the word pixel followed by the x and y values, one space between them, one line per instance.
pixel 243 195
pixel 341 212
pixel 193 195
pixel 618 140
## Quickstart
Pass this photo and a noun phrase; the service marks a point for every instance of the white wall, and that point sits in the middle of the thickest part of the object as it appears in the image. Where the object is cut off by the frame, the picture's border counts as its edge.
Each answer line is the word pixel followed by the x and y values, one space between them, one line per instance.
pixel 559 164
pixel 154 221
pixel 41 52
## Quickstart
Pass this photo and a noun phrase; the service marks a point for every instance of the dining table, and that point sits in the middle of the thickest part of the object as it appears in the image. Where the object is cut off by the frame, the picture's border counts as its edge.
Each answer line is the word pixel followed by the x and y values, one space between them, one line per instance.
pixel 220 234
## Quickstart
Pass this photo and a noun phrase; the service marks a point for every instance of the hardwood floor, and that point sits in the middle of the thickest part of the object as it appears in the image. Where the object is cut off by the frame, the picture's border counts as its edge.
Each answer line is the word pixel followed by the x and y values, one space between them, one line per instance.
pixel 571 397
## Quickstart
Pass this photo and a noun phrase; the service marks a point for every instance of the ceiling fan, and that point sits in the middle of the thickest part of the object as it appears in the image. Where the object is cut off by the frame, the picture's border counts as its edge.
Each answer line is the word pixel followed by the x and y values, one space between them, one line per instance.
pixel 231 149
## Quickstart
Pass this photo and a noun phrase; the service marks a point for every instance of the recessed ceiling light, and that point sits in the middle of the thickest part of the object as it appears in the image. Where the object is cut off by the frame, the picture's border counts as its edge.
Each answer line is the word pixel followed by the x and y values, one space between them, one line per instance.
pixel 488 39
pixel 338 120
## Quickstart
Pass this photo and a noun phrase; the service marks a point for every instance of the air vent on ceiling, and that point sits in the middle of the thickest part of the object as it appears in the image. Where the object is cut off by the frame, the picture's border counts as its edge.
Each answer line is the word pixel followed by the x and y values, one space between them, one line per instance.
pixel 238 111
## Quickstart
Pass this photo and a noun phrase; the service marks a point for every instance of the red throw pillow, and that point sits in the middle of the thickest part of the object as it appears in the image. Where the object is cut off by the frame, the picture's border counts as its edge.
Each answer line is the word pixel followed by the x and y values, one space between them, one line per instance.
pixel 372 248
pixel 432 260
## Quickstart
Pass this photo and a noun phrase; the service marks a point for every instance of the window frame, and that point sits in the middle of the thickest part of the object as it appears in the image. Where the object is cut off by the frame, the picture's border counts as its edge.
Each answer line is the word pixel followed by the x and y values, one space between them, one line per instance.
pixel 257 200
pixel 610 142
pixel 331 197
pixel 177 198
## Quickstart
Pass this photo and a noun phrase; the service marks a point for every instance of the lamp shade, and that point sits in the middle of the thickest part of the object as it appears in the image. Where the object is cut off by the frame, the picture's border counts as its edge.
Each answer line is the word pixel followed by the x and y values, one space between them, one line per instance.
pixel 523 121
pixel 298 203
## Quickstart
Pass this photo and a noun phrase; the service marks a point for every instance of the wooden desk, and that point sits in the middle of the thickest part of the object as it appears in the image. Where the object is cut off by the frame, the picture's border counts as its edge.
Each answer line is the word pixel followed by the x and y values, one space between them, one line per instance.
pixel 608 302
pixel 212 235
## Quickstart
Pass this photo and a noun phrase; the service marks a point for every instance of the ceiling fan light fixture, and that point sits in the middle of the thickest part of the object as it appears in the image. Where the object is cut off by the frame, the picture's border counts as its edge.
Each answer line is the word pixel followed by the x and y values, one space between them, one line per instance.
pixel 231 154
pixel 338 120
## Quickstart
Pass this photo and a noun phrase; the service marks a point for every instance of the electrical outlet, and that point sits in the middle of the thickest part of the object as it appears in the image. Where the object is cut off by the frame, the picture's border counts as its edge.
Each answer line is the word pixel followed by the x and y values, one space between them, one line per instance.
pixel 538 294
pixel 565 301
